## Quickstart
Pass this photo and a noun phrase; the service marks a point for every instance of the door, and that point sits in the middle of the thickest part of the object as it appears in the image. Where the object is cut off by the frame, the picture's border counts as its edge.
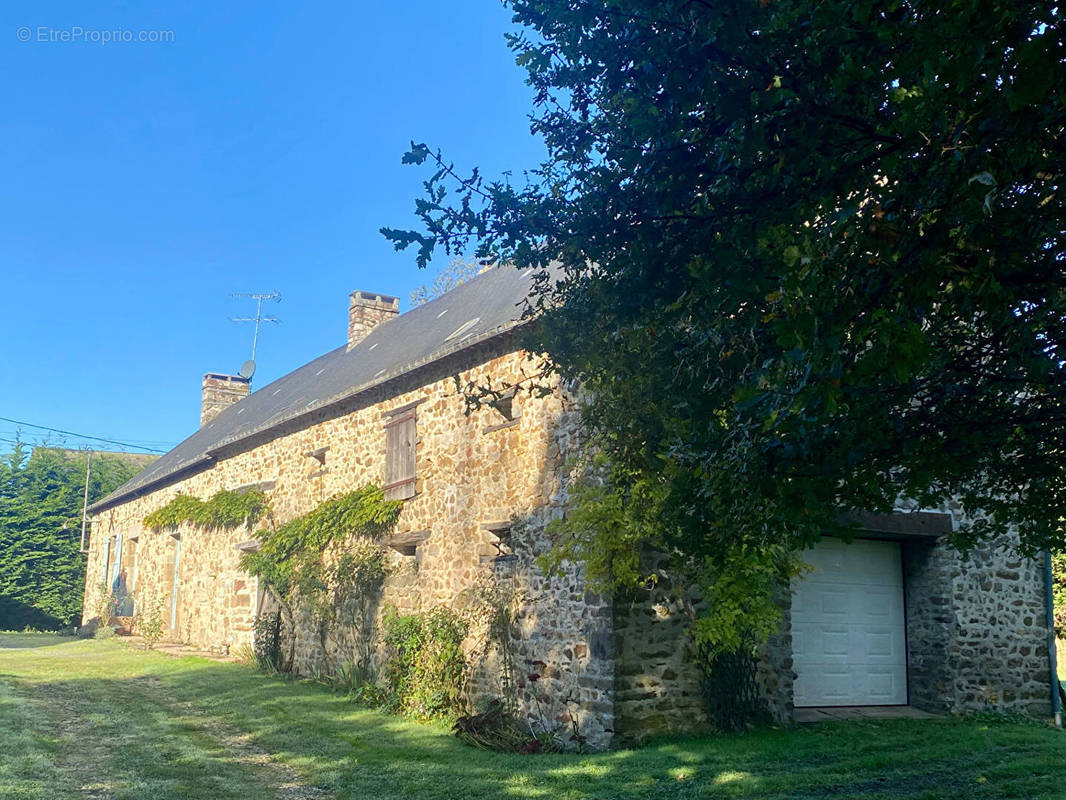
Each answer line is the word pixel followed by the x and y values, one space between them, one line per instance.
pixel 849 641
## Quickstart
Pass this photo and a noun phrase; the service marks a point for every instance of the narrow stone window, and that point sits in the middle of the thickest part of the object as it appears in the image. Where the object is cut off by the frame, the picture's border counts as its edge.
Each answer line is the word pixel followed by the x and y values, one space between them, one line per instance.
pixel 400 456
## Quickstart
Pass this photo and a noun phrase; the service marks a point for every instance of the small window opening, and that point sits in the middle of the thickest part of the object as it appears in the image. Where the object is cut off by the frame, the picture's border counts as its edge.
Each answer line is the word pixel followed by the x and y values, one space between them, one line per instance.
pixel 505 406
pixel 319 455
pixel 499 536
pixel 407 543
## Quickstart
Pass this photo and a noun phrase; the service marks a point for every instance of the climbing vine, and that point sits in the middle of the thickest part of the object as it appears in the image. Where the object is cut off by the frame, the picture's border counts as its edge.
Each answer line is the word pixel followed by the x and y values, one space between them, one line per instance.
pixel 328 560
pixel 225 509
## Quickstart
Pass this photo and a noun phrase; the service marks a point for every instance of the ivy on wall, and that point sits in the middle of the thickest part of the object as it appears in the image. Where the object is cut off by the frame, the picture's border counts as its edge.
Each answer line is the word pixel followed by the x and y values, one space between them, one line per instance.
pixel 330 563
pixel 328 560
pixel 225 509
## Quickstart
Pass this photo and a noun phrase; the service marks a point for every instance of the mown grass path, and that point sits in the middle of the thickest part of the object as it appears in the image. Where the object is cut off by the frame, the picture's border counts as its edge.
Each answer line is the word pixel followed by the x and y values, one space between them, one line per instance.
pixel 100 720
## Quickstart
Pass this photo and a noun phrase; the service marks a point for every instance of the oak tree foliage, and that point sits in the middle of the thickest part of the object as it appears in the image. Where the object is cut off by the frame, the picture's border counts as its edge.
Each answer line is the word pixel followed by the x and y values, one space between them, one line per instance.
pixel 808 259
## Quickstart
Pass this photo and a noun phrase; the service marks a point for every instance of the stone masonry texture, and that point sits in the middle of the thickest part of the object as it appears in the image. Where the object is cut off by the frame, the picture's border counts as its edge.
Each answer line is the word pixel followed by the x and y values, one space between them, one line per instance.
pixel 976 641
pixel 366 311
pixel 976 629
pixel 487 487
pixel 471 470
pixel 219 392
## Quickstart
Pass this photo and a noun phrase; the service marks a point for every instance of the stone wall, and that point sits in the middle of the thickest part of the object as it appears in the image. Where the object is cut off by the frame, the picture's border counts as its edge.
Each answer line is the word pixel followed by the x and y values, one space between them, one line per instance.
pixel 560 646
pixel 928 596
pixel 487 484
pixel 976 640
pixel 658 686
pixel 976 629
pixel 473 471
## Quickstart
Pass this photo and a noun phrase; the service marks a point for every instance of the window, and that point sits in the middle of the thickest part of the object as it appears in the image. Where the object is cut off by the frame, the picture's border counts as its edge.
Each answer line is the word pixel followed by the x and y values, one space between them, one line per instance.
pixel 505 405
pixel 400 445
pixel 506 409
pixel 407 542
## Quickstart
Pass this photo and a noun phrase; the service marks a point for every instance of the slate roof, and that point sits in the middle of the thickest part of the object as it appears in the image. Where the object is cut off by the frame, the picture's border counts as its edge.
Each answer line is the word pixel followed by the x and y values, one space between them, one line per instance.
pixel 486 306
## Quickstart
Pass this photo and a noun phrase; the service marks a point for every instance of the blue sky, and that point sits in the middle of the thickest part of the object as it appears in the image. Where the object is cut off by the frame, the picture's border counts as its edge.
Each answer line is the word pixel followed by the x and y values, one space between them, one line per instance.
pixel 260 149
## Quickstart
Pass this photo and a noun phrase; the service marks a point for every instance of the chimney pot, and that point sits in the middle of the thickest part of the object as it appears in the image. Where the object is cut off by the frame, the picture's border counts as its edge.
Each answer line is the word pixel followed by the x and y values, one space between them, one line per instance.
pixel 367 310
pixel 219 392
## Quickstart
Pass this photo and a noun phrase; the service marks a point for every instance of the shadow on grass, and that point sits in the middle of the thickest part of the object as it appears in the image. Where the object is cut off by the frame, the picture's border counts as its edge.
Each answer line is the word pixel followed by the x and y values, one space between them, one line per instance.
pixel 16 614
pixel 14 640
pixel 356 752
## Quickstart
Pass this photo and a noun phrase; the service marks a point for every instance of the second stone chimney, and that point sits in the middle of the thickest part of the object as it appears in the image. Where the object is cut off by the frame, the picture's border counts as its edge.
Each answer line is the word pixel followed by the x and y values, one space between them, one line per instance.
pixel 367 310
pixel 219 392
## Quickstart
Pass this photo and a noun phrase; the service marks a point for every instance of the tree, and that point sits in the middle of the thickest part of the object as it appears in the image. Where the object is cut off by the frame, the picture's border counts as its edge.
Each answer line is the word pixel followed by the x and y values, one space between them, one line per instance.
pixel 458 271
pixel 810 261
pixel 42 572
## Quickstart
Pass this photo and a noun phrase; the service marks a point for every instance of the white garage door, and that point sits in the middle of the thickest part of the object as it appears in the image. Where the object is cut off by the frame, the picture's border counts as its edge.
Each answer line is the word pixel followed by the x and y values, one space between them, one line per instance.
pixel 849 645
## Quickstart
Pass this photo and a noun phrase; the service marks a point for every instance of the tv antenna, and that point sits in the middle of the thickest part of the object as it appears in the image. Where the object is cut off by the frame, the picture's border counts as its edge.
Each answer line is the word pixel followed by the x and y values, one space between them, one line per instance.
pixel 259 297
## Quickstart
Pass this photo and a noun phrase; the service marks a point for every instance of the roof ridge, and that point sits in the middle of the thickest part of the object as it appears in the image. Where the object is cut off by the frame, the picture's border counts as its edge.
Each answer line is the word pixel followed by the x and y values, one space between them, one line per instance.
pixel 489 303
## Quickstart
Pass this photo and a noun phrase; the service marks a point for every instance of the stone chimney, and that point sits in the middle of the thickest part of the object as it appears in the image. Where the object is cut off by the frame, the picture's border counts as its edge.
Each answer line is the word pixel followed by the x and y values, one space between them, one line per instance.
pixel 367 310
pixel 219 393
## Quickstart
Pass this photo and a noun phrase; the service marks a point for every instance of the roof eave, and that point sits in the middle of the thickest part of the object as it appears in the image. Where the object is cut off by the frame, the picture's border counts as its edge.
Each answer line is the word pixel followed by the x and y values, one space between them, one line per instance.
pixel 112 500
pixel 210 456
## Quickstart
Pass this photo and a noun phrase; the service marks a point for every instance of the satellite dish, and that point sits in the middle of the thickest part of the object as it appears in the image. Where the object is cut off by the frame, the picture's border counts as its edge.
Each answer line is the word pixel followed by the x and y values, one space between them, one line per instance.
pixel 247 370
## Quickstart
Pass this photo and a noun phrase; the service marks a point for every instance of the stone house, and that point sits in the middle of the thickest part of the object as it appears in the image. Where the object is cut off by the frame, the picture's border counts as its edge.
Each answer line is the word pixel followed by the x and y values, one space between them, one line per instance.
pixel 894 618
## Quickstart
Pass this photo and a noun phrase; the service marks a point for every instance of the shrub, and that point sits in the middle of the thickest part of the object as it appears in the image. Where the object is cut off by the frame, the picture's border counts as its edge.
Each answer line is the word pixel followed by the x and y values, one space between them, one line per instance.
pixel 731 688
pixel 245 655
pixel 104 632
pixel 358 680
pixel 425 665
pixel 105 607
pixel 149 624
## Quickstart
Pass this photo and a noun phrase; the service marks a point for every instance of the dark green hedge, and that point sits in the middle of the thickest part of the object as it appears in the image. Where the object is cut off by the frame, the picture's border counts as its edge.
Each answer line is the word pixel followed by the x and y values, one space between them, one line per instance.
pixel 42 574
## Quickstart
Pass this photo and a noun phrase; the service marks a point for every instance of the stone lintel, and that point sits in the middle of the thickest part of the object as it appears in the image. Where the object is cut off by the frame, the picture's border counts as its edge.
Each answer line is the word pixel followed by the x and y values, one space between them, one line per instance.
pixel 405 542
pixel 904 524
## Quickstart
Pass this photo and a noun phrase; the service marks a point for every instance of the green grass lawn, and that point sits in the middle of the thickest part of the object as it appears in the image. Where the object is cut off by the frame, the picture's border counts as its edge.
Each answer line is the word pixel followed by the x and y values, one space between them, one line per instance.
pixel 99 719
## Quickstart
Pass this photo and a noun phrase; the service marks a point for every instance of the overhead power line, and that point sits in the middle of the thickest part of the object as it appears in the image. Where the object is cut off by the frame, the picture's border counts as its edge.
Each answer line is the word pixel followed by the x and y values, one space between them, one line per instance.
pixel 82 435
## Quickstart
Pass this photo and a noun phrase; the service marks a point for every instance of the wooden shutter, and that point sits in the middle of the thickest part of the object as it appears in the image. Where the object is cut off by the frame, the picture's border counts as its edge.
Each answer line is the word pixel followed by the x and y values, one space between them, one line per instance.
pixel 400 443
